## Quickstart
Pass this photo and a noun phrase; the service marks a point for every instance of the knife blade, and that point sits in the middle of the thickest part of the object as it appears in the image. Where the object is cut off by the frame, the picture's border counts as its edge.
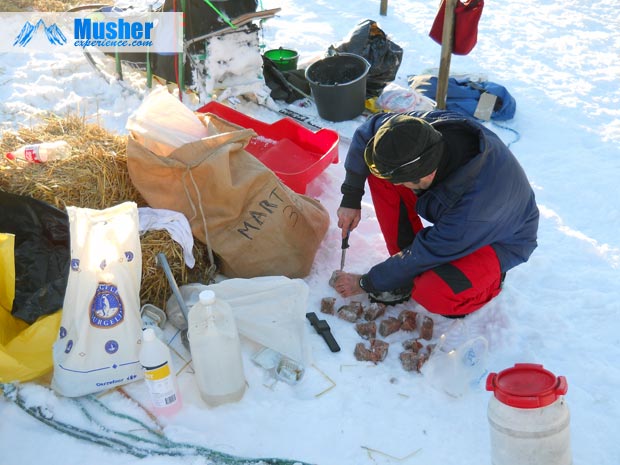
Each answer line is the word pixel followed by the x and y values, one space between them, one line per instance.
pixel 344 247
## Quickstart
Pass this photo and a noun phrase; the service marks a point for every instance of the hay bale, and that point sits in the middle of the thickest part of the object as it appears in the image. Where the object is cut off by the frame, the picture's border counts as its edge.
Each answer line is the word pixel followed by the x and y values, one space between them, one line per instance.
pixel 155 288
pixel 96 176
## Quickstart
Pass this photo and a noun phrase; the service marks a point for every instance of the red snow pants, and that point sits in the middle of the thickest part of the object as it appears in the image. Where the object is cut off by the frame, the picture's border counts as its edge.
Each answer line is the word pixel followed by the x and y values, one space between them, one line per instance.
pixel 454 289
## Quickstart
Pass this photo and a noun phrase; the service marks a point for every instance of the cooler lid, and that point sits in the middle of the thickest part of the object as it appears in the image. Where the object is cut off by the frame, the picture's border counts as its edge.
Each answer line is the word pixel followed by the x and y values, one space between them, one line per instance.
pixel 526 385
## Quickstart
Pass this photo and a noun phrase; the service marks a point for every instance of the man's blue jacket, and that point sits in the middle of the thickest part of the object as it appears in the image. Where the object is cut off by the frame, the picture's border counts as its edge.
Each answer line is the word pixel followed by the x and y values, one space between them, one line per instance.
pixel 487 201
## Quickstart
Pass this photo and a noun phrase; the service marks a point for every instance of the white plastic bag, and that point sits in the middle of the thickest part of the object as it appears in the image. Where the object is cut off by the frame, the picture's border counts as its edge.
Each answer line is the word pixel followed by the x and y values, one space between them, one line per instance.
pixel 399 99
pixel 163 123
pixel 100 330
pixel 269 310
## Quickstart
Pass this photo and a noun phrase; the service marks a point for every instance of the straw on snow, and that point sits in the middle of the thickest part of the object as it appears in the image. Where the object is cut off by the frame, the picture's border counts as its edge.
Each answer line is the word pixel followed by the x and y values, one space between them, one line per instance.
pixel 95 176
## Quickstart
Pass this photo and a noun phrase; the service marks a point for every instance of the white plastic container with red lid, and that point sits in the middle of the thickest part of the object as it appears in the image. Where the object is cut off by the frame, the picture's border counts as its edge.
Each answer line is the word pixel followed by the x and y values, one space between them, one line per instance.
pixel 528 417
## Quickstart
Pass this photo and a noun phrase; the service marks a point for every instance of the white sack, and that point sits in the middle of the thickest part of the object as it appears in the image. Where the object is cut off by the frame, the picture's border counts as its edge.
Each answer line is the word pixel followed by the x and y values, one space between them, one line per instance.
pixel 163 123
pixel 100 330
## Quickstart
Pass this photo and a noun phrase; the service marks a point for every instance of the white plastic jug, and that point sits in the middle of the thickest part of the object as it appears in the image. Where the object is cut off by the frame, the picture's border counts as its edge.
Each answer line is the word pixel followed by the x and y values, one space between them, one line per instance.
pixel 458 370
pixel 216 350
pixel 528 417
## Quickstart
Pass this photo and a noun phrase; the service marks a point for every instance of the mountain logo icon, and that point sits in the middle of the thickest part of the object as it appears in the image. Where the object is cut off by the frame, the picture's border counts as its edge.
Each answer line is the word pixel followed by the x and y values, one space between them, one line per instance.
pixel 53 33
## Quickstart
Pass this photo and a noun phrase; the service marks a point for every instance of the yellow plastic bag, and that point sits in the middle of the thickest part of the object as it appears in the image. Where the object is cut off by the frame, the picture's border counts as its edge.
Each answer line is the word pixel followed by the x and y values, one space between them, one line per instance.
pixel 25 350
pixel 7 271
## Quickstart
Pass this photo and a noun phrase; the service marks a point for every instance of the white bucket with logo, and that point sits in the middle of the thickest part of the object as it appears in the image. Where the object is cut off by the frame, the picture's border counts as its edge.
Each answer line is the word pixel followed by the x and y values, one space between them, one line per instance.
pixel 528 417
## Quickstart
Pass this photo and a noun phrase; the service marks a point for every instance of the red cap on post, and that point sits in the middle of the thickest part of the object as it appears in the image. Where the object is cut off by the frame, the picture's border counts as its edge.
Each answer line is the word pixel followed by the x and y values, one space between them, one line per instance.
pixel 526 385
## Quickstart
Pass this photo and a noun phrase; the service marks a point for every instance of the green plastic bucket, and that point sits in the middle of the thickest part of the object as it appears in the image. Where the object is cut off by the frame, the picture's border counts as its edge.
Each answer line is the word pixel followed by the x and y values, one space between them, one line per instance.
pixel 283 58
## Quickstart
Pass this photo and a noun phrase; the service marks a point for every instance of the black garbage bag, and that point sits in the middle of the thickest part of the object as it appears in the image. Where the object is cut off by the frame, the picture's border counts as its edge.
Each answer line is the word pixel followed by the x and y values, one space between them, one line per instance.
pixel 42 250
pixel 369 41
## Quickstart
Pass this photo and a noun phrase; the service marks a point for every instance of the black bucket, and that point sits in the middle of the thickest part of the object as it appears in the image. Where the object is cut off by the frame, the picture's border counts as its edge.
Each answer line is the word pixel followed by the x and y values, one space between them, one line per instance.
pixel 338 85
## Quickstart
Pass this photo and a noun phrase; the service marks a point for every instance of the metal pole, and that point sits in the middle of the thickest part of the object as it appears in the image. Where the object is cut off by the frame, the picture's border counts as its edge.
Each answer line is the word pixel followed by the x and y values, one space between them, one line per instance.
pixel 149 70
pixel 447 38
pixel 163 263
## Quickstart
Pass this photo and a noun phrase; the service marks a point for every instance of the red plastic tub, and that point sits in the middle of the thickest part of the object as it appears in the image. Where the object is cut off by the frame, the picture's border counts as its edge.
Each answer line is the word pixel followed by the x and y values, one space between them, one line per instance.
pixel 293 152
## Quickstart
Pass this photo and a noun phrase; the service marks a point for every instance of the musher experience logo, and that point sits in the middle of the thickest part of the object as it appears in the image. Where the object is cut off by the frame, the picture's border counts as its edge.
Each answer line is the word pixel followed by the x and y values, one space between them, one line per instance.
pixel 53 33
pixel 119 33
pixel 108 31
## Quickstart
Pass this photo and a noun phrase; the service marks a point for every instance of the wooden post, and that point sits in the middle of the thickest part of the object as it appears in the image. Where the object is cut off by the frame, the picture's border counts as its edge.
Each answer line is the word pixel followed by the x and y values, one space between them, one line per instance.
pixel 447 38
pixel 181 58
pixel 383 8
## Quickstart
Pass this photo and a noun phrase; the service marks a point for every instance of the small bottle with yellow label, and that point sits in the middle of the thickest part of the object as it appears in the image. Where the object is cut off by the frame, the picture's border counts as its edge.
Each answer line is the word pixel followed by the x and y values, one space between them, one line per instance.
pixel 159 374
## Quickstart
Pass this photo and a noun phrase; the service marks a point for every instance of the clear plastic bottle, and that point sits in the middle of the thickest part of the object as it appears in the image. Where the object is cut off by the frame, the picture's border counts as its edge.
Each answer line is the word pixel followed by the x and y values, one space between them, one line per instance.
pixel 41 153
pixel 159 374
pixel 216 350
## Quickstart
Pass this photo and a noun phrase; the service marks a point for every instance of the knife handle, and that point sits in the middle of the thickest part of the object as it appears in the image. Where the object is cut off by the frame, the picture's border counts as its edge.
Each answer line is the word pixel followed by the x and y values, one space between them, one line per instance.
pixel 345 241
pixel 322 328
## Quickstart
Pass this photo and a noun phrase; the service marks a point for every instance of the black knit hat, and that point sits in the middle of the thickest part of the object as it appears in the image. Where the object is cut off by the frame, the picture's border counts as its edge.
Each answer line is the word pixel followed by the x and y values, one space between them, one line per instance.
pixel 404 148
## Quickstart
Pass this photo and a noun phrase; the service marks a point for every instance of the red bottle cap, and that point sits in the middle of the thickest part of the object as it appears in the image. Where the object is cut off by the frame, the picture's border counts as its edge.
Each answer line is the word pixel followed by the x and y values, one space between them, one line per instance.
pixel 526 385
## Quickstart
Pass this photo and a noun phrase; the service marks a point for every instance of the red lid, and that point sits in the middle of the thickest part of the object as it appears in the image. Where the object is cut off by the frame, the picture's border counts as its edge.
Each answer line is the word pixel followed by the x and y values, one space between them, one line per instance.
pixel 526 385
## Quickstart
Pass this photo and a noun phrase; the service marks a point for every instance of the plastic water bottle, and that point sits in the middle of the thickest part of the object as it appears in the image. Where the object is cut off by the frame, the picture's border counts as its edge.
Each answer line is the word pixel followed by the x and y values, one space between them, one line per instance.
pixel 41 153
pixel 159 374
pixel 216 350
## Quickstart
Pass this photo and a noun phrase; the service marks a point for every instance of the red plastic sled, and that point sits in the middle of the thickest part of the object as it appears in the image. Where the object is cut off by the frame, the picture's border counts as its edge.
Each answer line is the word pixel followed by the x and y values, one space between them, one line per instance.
pixel 294 153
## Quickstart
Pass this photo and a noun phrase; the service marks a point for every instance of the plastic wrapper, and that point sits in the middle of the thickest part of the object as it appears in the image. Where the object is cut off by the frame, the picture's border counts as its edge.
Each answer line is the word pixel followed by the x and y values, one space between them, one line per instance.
pixel 398 99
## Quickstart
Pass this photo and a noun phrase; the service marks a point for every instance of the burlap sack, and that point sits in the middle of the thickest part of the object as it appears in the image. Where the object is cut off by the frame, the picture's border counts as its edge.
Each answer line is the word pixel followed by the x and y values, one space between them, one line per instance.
pixel 255 224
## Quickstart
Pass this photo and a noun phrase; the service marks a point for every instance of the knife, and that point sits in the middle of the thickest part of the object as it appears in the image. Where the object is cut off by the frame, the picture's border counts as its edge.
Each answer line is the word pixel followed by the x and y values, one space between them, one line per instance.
pixel 344 247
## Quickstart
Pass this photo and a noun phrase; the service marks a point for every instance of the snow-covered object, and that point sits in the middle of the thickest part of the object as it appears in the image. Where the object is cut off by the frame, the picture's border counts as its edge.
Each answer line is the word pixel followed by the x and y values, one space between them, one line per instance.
pixel 233 66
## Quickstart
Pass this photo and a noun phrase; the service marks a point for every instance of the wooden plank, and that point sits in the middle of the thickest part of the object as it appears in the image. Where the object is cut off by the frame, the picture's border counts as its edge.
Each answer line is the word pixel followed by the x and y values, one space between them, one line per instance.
pixel 447 38
pixel 238 21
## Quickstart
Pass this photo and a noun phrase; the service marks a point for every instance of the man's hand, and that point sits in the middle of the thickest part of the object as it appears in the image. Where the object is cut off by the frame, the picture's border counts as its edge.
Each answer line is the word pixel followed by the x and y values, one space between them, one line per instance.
pixel 346 284
pixel 348 219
